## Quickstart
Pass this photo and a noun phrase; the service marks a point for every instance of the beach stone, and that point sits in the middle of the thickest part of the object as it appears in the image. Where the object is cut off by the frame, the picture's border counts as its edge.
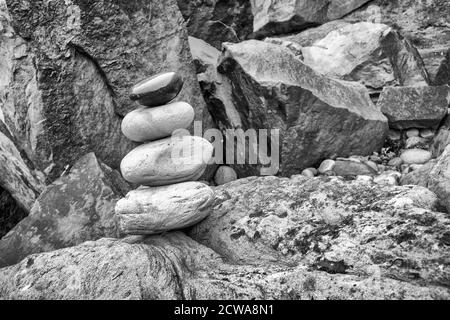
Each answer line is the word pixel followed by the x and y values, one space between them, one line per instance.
pixel 162 162
pixel 310 172
pixel 412 133
pixel 148 210
pixel 394 135
pixel 420 176
pixel 427 133
pixel 157 90
pixel 414 142
pixel 353 168
pixel 395 162
pixel 147 124
pixel 416 156
pixel 386 179
pixel 366 179
pixel 327 165
pixel 225 174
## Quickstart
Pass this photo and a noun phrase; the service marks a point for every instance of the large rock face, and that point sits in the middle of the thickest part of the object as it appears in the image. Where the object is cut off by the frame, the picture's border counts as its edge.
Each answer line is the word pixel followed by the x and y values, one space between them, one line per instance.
pixel 218 21
pixel 285 16
pixel 424 23
pixel 306 241
pixel 331 225
pixel 70 63
pixel 370 53
pixel 318 117
pixel 443 73
pixel 75 208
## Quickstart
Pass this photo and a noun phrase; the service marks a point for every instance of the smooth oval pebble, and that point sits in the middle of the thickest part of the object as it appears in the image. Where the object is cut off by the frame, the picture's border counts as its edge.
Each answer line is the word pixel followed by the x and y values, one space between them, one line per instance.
pixel 147 124
pixel 416 156
pixel 225 174
pixel 327 165
pixel 157 90
pixel 148 210
pixel 167 161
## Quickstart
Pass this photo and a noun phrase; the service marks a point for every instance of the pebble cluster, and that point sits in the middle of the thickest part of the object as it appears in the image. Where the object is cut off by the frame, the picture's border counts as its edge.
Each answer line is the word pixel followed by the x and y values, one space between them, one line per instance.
pixel 405 152
pixel 168 196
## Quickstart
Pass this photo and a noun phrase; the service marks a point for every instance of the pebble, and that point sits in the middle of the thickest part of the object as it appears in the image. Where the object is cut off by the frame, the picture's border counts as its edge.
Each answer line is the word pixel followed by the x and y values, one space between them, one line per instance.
pixel 162 162
pixel 308 173
pixel 416 156
pixel 327 165
pixel 147 124
pixel 394 135
pixel 415 167
pixel 353 168
pixel 386 180
pixel 148 210
pixel 396 162
pixel 225 174
pixel 414 142
pixel 427 133
pixel 412 133
pixel 157 90
pixel 364 178
pixel 372 165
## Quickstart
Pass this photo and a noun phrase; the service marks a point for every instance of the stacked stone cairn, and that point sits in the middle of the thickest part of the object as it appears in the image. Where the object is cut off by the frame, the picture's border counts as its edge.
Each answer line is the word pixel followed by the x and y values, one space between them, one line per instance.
pixel 169 197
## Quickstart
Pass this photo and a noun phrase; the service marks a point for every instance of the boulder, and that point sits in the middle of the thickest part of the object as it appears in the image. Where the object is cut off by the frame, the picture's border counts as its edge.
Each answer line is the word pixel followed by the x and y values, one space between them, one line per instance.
pixel 157 90
pixel 75 208
pixel 443 73
pixel 155 210
pixel 414 107
pixel 218 21
pixel 439 179
pixel 167 161
pixel 353 168
pixel 285 16
pixel 18 177
pixel 370 53
pixel 332 225
pixel 317 117
pixel 416 156
pixel 147 124
pixel 425 23
pixel 174 266
pixel 62 77
pixel 225 174
pixel 419 177
pixel 442 138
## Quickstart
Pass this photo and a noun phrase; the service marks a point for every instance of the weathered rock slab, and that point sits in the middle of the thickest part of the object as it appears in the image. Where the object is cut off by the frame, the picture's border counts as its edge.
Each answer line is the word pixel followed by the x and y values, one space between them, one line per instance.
pixel 75 208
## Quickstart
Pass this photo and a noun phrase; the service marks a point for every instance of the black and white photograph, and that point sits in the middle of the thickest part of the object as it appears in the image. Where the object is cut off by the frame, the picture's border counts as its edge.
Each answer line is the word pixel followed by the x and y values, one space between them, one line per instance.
pixel 225 156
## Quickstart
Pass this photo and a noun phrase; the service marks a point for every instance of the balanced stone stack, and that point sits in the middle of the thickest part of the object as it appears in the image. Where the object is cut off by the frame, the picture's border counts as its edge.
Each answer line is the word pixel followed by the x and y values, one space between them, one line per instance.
pixel 166 165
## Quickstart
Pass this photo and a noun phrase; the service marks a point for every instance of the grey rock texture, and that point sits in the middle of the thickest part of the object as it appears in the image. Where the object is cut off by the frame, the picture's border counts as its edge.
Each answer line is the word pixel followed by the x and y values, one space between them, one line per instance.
pixel 330 225
pixel 424 23
pixel 75 208
pixel 10 212
pixel 174 266
pixel 439 179
pixel 70 63
pixel 318 117
pixel 218 21
pixel 286 16
pixel 414 107
pixel 370 53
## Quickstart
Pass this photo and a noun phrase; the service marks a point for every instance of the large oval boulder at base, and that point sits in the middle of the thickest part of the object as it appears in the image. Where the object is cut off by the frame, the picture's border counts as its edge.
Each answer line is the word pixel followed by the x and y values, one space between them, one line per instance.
pixel 318 117
pixel 155 210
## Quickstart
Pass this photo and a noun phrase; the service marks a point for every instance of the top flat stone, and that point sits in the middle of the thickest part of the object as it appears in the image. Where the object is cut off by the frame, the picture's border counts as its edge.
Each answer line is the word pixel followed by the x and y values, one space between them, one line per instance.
pixel 157 90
